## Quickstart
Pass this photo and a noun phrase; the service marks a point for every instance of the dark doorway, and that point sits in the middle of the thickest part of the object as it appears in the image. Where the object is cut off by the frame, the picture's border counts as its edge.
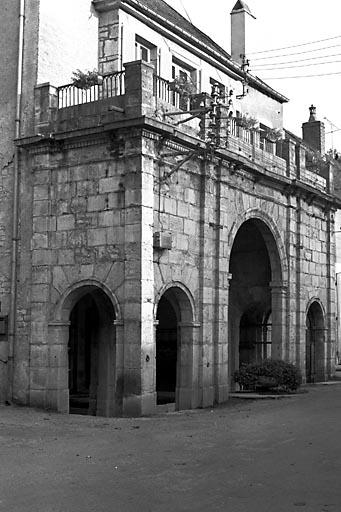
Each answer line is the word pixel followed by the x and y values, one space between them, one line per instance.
pixel 166 352
pixel 254 264
pixel 315 344
pixel 84 328
pixel 255 336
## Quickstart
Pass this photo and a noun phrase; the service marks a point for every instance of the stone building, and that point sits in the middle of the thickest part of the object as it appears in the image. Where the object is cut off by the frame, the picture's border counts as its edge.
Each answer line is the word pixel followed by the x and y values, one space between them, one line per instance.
pixel 156 231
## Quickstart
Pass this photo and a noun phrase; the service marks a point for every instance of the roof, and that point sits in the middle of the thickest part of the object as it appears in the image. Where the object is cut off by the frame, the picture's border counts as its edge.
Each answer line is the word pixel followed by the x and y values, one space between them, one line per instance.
pixel 165 15
pixel 241 6
pixel 174 17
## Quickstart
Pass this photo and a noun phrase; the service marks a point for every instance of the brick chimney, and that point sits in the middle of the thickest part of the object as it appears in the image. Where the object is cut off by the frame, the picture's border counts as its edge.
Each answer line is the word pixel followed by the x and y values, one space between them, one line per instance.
pixel 240 19
pixel 314 132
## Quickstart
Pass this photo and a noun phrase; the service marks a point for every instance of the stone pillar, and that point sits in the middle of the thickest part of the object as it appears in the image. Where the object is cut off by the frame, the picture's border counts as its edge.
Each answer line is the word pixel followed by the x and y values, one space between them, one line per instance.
pixel 300 160
pixel 109 44
pixel 187 389
pixel 139 346
pixel 289 155
pixel 119 369
pixel 221 370
pixel 139 83
pixel 45 108
pixel 57 392
pixel 278 312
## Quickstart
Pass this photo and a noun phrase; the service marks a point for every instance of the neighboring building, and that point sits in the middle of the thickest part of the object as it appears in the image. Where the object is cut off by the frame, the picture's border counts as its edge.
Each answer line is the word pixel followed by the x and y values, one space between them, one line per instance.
pixel 162 234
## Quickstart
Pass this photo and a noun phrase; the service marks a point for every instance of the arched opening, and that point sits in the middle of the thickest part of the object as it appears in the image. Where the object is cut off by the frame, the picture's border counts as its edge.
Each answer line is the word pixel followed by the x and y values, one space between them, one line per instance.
pixel 91 354
pixel 166 351
pixel 254 300
pixel 174 349
pixel 315 356
pixel 254 336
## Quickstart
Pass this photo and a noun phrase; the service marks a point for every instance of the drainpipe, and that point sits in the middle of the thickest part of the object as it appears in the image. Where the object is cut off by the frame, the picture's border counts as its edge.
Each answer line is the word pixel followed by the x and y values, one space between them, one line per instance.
pixel 15 212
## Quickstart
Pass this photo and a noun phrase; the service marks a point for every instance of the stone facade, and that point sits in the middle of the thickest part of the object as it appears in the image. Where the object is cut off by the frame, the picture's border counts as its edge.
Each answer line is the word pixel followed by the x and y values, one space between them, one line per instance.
pixel 153 262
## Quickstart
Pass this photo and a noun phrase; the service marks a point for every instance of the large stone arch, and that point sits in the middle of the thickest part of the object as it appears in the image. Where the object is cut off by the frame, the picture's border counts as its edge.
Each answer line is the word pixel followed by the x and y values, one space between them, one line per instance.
pixel 275 244
pixel 184 332
pixel 251 301
pixel 108 340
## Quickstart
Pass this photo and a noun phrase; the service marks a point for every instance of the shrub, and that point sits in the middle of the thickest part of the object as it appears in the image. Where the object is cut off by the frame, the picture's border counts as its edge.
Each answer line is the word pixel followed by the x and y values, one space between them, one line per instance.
pixel 85 80
pixel 268 374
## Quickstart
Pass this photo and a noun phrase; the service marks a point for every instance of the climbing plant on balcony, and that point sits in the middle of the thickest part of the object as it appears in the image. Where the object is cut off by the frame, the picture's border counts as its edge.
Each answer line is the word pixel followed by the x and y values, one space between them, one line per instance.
pixel 248 122
pixel 273 134
pixel 85 80
pixel 184 86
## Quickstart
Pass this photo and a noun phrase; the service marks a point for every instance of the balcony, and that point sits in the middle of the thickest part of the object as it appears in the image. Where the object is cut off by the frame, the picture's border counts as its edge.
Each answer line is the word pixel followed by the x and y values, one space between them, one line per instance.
pixel 137 92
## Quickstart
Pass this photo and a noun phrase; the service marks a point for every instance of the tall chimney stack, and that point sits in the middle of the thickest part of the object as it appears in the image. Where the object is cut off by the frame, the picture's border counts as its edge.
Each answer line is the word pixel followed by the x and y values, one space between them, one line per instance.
pixel 314 132
pixel 240 19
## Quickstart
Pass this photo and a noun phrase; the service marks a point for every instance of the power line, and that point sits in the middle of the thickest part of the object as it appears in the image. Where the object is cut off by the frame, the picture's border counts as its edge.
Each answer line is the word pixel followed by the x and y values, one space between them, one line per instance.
pixel 294 45
pixel 298 53
pixel 298 60
pixel 297 66
pixel 299 76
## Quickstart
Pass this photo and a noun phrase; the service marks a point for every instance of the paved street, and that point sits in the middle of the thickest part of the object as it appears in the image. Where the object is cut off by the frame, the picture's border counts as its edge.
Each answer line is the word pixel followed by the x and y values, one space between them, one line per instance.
pixel 249 456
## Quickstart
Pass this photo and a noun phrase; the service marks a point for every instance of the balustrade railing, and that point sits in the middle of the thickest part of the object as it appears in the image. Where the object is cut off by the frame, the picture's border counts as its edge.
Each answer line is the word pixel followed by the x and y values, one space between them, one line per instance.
pixel 164 92
pixel 70 95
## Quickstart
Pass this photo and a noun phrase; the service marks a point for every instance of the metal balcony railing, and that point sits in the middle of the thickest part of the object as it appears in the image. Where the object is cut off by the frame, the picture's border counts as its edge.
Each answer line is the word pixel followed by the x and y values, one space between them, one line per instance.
pixel 164 92
pixel 70 95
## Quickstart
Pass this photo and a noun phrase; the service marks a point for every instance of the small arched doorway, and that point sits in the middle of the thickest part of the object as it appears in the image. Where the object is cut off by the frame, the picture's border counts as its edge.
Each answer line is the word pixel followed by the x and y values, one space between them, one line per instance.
pixel 91 354
pixel 166 351
pixel 315 353
pixel 174 349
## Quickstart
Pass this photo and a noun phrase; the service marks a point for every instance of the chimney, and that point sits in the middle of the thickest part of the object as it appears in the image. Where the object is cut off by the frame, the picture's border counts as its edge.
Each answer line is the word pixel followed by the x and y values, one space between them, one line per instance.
pixel 314 132
pixel 240 19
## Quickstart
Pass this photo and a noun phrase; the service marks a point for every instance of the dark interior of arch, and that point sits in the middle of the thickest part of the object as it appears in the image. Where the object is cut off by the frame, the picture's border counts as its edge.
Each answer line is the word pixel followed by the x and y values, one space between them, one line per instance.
pixel 166 349
pixel 90 342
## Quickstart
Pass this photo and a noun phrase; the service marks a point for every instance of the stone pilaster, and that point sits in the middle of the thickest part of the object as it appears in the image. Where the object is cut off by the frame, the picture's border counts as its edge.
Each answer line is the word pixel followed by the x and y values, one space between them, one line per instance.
pixel 278 308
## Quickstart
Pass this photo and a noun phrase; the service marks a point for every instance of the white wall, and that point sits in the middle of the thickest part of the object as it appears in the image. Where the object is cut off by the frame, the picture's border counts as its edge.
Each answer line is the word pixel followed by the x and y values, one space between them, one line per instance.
pixel 67 40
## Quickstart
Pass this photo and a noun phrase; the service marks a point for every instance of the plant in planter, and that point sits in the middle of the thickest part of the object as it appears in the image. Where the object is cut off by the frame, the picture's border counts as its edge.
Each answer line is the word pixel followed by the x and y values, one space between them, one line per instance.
pixel 184 86
pixel 85 80
pixel 248 122
pixel 269 374
pixel 273 134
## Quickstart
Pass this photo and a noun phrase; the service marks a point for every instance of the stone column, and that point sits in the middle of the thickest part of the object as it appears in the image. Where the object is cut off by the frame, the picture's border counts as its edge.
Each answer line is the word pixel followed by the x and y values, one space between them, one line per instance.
pixel 109 44
pixel 45 108
pixel 139 84
pixel 221 370
pixel 278 312
pixel 139 346
pixel 289 154
pixel 119 368
pixel 57 392
pixel 187 389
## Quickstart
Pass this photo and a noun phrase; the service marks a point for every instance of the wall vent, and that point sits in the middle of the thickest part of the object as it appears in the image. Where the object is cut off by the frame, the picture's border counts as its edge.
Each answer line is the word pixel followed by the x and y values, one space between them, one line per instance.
pixel 162 240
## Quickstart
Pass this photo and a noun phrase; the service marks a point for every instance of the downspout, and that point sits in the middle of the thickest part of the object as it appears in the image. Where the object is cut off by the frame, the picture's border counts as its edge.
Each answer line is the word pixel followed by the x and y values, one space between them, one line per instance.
pixel 15 211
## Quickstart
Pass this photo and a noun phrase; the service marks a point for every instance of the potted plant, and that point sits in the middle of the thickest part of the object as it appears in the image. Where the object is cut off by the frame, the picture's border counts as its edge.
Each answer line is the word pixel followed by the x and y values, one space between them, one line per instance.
pixel 85 80
pixel 248 122
pixel 273 134
pixel 183 86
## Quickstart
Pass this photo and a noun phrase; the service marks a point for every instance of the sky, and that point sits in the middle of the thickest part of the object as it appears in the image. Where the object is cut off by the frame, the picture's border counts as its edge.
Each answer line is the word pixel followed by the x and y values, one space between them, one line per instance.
pixel 279 25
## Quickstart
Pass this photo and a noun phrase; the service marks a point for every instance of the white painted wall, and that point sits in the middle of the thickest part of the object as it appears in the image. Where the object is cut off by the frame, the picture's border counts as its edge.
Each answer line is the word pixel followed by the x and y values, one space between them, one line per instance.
pixel 67 40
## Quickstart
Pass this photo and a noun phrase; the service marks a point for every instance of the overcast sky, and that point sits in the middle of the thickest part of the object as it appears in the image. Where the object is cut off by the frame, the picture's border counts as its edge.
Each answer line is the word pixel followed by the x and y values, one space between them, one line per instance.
pixel 280 24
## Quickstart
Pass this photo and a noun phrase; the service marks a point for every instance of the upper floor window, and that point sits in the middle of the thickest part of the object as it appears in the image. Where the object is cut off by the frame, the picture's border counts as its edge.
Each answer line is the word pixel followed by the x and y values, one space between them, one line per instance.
pixel 146 51
pixel 183 71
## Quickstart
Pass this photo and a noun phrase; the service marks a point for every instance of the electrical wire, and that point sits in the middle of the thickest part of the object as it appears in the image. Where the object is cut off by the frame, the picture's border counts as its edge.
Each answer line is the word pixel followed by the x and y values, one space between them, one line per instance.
pixel 297 66
pixel 298 53
pixel 294 45
pixel 300 76
pixel 294 61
